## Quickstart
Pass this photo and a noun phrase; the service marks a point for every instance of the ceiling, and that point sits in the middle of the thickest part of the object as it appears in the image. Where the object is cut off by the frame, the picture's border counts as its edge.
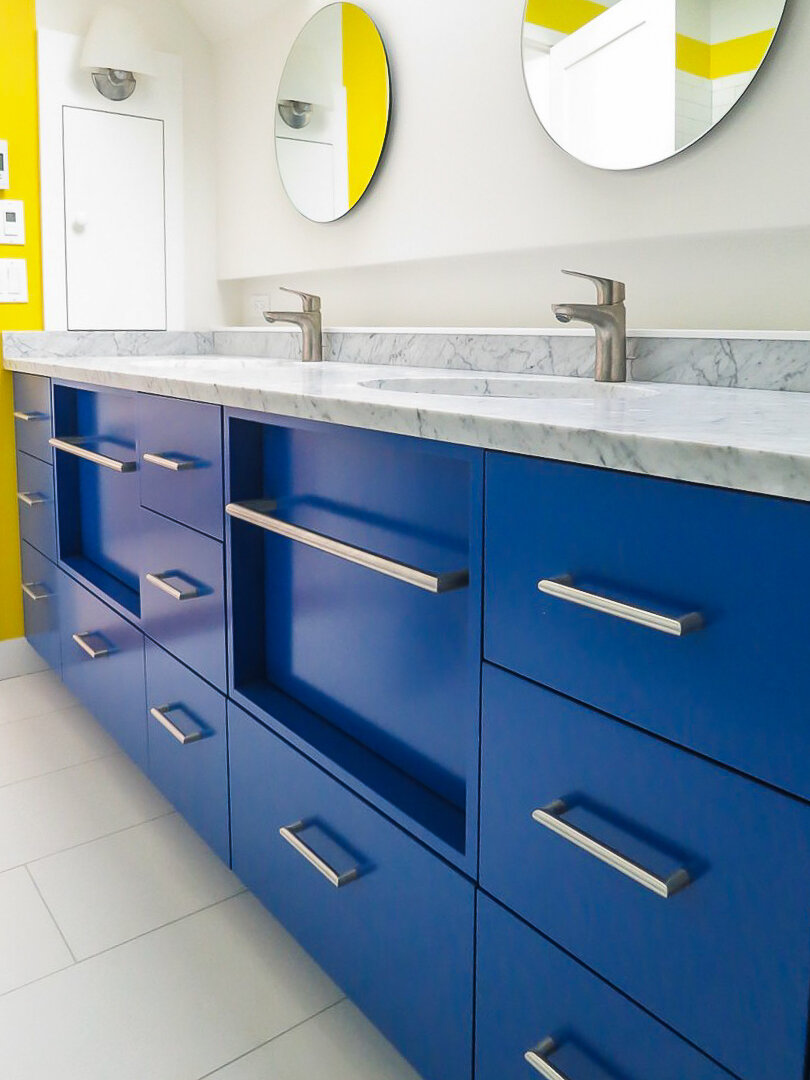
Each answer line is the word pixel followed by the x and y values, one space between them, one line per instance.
pixel 220 19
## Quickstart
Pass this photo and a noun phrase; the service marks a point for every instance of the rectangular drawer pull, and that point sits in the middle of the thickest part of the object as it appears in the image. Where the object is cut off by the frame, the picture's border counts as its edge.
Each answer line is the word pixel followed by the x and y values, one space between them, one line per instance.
pixel 550 817
pixel 183 737
pixel 93 644
pixel 255 514
pixel 290 834
pixel 32 498
pixel 35 590
pixel 563 588
pixel 538 1059
pixel 173 462
pixel 164 583
pixel 75 446
pixel 28 417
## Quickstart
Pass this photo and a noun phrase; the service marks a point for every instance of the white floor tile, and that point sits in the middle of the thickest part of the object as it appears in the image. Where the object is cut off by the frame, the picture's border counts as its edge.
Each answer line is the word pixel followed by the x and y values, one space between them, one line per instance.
pixel 43 744
pixel 50 813
pixel 172 1005
pixel 33 695
pixel 30 944
pixel 18 658
pixel 111 890
pixel 340 1044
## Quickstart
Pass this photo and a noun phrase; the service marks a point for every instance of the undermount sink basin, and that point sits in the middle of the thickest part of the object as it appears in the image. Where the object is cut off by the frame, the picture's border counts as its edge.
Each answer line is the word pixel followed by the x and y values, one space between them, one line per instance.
pixel 546 387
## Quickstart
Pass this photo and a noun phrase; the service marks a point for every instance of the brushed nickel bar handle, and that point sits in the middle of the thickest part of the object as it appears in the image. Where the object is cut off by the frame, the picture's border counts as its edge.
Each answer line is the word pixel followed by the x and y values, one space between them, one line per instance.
pixel 31 498
pixel 35 590
pixel 173 464
pixel 563 588
pixel 73 445
pixel 28 417
pixel 254 514
pixel 551 817
pixel 161 715
pixel 160 581
pixel 538 1059
pixel 290 834
pixel 95 651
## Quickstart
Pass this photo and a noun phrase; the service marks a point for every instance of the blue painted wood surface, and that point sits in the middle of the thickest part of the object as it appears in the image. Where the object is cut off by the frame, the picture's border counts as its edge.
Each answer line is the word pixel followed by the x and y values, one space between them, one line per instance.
pixel 32 395
pixel 37 521
pixel 42 615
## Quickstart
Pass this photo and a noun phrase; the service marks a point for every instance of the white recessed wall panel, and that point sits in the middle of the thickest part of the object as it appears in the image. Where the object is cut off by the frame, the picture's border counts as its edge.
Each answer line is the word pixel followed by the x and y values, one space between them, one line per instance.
pixel 115 221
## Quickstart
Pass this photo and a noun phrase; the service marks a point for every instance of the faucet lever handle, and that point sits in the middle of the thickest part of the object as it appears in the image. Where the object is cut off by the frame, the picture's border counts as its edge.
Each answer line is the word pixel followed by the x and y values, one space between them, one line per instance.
pixel 310 301
pixel 608 291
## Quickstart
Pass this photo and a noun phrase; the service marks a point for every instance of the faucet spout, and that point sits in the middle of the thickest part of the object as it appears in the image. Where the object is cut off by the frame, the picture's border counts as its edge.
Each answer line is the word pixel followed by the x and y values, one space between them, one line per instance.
pixel 310 323
pixel 609 321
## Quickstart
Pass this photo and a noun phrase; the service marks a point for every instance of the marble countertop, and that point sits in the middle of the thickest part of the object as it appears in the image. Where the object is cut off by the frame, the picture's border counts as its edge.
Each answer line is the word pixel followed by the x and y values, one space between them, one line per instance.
pixel 750 440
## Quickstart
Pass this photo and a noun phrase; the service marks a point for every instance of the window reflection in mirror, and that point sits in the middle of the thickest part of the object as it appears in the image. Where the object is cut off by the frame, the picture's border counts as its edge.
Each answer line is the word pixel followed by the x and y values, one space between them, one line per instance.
pixel 624 83
pixel 332 112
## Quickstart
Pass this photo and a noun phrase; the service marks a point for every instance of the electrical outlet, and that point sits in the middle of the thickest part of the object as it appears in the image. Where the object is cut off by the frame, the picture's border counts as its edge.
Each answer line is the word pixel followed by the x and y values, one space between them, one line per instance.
pixel 259 303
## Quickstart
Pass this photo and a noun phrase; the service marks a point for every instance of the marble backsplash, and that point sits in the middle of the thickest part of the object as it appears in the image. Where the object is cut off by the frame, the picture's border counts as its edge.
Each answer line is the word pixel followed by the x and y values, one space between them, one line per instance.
pixel 763 363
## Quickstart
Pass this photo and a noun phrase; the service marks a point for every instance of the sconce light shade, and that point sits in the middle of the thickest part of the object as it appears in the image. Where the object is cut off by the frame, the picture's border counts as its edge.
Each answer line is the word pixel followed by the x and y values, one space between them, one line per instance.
pixel 115 42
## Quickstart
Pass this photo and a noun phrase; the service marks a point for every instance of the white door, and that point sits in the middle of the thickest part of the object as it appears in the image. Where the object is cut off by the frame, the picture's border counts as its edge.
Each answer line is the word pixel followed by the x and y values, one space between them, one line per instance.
pixel 308 172
pixel 613 86
pixel 115 221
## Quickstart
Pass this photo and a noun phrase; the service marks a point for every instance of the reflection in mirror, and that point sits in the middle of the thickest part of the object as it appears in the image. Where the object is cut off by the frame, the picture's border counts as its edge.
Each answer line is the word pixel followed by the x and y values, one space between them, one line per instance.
pixel 624 83
pixel 332 112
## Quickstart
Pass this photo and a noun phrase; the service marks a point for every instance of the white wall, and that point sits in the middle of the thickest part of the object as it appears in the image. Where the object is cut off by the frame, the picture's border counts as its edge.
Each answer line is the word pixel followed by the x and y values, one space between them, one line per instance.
pixel 171 30
pixel 476 210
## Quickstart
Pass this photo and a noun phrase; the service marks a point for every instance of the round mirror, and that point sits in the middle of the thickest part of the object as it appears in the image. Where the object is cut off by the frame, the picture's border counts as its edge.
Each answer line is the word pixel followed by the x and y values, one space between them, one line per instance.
pixel 332 112
pixel 624 83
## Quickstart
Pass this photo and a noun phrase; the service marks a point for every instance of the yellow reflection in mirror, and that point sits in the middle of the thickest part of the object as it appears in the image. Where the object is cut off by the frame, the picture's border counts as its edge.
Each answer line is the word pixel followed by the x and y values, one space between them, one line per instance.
pixel 365 76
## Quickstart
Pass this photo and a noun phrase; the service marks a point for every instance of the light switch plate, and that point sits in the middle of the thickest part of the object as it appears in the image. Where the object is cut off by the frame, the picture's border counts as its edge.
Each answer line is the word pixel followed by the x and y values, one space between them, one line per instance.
pixel 13 281
pixel 3 165
pixel 12 221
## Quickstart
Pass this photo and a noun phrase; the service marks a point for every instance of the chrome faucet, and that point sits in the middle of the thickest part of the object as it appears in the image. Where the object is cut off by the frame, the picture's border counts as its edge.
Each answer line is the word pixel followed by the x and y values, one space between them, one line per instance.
pixel 310 322
pixel 608 317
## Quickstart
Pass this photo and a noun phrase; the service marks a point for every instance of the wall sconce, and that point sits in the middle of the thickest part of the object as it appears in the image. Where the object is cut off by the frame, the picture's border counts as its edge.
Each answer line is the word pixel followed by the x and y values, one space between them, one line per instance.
pixel 115 51
pixel 295 114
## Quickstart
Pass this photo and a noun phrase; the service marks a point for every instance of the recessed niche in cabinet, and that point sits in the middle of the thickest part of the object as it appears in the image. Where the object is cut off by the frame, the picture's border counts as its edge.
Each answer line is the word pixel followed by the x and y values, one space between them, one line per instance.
pixel 355 573
pixel 98 505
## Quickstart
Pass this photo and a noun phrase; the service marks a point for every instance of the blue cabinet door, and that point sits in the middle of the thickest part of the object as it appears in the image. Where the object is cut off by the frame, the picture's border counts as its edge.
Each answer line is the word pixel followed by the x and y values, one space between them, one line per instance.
pixel 673 549
pixel 397 936
pixel 181 461
pixel 103 664
pixel 533 999
pixel 183 594
pixel 35 500
pixel 41 605
pixel 188 746
pixel 32 415
pixel 726 960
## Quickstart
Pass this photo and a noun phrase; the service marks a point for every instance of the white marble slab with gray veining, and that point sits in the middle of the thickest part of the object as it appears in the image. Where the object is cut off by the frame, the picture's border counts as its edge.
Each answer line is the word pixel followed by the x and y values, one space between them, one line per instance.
pixel 18 344
pixel 749 440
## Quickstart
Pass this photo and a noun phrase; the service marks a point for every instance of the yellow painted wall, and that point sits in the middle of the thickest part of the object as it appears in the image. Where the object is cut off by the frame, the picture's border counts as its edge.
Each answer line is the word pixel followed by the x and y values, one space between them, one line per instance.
pixel 18 124
pixel 365 76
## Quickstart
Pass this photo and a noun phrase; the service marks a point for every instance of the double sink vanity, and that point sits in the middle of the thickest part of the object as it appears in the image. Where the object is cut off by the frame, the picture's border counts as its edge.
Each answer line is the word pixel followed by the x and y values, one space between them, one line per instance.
pixel 493 687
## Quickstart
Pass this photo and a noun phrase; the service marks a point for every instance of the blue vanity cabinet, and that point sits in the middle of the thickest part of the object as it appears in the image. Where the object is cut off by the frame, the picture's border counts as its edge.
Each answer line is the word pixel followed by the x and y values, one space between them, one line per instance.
pixel 725 959
pixel 355 592
pixel 36 506
pixel 390 921
pixel 188 749
pixel 103 664
pixel 534 999
pixel 32 415
pixel 97 484
pixel 736 688
pixel 41 605
pixel 181 461
pixel 183 594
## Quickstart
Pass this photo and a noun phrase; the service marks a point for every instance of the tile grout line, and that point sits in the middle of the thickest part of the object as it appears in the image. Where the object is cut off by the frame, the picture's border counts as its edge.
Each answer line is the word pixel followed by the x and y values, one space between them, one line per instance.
pixel 53 917
pixel 272 1039
pixel 60 769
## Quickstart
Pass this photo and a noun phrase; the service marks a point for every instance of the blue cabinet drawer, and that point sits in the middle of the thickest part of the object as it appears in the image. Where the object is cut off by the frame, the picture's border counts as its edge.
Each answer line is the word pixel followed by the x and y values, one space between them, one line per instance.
pixel 396 935
pixel 32 414
pixel 41 604
pixel 35 500
pixel 534 1000
pixel 670 549
pixel 103 664
pixel 181 461
pixel 188 746
pixel 725 960
pixel 183 594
